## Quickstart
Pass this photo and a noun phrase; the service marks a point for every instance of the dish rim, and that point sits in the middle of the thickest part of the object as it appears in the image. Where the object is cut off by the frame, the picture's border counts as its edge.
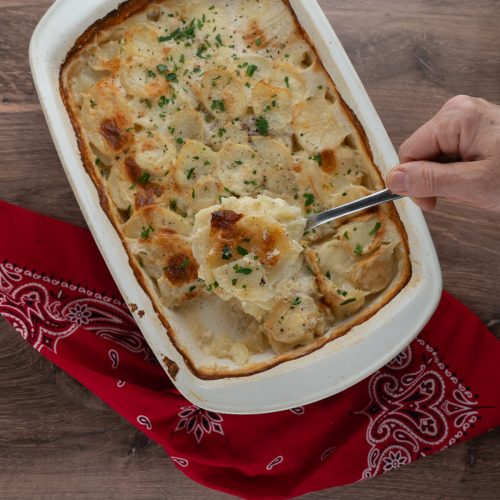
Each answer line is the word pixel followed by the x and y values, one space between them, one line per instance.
pixel 198 391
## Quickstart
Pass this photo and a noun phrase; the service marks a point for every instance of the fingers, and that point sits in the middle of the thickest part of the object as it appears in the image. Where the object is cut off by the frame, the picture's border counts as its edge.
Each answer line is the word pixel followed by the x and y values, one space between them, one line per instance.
pixel 426 204
pixel 423 144
pixel 448 133
pixel 424 179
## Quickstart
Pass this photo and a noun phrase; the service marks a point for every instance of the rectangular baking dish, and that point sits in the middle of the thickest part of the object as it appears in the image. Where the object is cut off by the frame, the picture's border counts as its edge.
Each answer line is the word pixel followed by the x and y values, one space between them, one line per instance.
pixel 327 371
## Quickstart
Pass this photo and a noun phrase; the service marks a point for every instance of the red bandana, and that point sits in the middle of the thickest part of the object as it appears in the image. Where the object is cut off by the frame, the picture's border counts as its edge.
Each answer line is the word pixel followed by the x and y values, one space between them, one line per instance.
pixel 441 390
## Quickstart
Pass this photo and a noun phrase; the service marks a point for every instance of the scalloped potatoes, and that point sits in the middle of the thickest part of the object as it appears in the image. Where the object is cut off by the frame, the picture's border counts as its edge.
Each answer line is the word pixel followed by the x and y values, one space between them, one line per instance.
pixel 211 130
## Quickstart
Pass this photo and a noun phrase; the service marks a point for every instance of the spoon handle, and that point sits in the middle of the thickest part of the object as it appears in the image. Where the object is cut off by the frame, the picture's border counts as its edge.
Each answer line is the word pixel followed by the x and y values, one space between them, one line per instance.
pixel 351 208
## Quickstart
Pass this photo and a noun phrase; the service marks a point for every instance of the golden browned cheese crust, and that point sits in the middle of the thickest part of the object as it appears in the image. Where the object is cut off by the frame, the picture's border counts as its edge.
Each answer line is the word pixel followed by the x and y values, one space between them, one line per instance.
pixel 211 130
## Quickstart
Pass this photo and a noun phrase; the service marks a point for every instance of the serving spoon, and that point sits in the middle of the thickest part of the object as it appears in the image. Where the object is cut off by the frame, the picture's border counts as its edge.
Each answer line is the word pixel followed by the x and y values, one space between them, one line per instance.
pixel 369 201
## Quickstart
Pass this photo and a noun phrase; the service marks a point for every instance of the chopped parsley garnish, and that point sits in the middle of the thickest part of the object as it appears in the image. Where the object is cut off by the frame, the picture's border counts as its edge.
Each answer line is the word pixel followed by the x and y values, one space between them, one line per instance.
pixel 309 199
pixel 329 275
pixel 173 205
pixel 93 104
pixel 190 173
pixel 235 281
pixel 129 211
pixel 179 140
pixel 162 101
pixel 251 69
pixel 182 59
pixel 346 235
pixel 146 232
pixel 147 103
pixel 297 301
pixel 213 286
pixel 144 178
pixel 151 73
pixel 342 292
pixel 376 229
pixel 185 263
pixel 192 288
pixel 193 194
pixel 287 82
pixel 242 270
pixel 226 253
pixel 221 132
pixel 171 77
pixel 179 34
pixel 201 50
pixel 218 41
pixel 262 125
pixel 258 42
pixel 318 159
pixel 358 250
pixel 348 301
pixel 98 161
pixel 218 104
pixel 242 251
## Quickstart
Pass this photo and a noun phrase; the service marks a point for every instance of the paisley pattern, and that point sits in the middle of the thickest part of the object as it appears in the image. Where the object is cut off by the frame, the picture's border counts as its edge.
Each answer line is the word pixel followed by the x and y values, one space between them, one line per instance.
pixel 414 411
pixel 45 311
pixel 199 422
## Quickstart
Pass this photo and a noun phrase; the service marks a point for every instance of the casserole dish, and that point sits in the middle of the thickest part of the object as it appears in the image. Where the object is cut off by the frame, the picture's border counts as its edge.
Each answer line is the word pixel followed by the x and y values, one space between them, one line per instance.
pixel 335 366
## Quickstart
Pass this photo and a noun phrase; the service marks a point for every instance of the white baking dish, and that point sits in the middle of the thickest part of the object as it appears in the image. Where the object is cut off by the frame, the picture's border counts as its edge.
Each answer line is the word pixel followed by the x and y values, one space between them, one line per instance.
pixel 333 368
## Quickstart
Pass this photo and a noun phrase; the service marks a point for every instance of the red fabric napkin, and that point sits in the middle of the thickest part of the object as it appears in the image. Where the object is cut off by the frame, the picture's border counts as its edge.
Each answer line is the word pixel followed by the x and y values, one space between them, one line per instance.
pixel 441 390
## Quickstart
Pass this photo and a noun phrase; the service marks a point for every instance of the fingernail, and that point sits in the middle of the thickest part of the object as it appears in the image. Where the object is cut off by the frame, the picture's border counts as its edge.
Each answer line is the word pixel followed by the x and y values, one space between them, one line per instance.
pixel 398 182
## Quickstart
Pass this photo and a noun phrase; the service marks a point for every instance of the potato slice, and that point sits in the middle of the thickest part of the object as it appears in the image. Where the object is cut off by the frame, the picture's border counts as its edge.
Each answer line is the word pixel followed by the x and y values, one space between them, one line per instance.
pixel 188 123
pixel 119 183
pixel 276 162
pixel 315 125
pixel 273 104
pixel 293 322
pixel 155 219
pixel 374 273
pixel 223 94
pixel 194 162
pixel 253 67
pixel 362 235
pixel 139 80
pixel 289 77
pixel 156 156
pixel 239 169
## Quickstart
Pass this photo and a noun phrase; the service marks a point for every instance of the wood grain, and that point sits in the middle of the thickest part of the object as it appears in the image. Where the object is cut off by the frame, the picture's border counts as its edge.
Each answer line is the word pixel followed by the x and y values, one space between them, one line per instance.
pixel 59 441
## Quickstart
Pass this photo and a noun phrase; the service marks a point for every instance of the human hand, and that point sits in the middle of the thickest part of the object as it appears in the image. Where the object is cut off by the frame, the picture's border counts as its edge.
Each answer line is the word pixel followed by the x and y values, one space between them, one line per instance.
pixel 465 132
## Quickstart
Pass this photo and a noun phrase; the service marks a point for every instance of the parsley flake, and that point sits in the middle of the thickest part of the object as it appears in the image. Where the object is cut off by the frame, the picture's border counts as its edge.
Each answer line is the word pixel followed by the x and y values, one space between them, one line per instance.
pixel 262 125
pixel 242 251
pixel 309 199
pixel 226 253
pixel 348 301
pixel 144 178
pixel 242 270
pixel 376 229
pixel 146 232
pixel 251 69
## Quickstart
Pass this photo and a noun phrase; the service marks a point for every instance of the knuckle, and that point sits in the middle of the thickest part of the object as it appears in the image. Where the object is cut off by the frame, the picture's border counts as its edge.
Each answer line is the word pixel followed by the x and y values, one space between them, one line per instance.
pixel 464 104
pixel 428 181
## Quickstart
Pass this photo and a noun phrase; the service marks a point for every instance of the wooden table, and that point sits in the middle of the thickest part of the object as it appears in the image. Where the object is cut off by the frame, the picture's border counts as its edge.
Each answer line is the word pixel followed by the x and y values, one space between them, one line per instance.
pixel 59 441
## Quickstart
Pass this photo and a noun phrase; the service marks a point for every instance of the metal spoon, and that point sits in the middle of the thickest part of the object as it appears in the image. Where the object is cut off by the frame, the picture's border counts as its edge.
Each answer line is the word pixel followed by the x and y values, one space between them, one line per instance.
pixel 372 200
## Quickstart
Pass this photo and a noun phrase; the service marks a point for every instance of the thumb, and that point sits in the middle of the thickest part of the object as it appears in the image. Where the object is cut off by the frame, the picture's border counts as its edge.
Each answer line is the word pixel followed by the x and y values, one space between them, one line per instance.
pixel 425 179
